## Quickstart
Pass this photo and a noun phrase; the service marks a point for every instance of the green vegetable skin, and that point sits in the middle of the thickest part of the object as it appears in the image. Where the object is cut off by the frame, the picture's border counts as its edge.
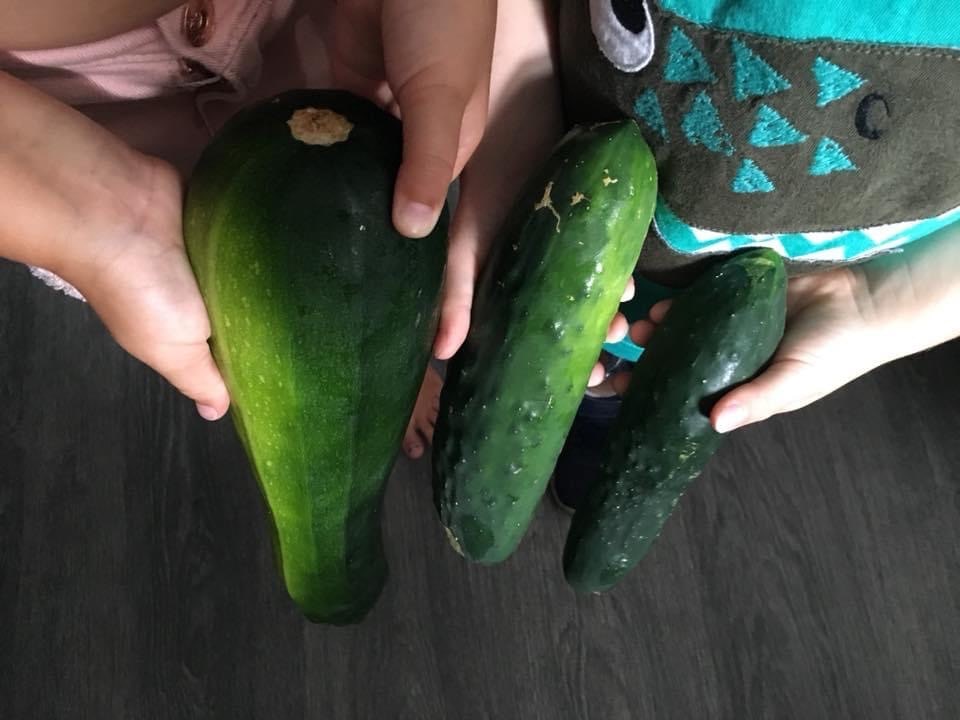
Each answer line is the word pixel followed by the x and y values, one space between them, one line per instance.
pixel 323 317
pixel 717 334
pixel 540 317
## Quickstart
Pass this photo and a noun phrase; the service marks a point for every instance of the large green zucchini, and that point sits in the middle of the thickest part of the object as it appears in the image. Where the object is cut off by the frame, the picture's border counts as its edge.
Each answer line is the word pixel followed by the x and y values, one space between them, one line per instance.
pixel 718 333
pixel 323 317
pixel 540 317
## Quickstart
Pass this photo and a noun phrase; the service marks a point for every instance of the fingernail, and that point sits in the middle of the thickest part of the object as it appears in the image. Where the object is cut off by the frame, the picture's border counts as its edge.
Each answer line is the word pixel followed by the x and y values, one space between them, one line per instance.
pixel 732 417
pixel 207 412
pixel 416 219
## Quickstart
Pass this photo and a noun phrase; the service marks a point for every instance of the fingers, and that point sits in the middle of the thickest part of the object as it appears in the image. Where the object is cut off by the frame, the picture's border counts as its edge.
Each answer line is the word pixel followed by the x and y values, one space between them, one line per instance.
pixel 659 311
pixel 437 57
pixel 597 375
pixel 458 286
pixel 149 300
pixel 182 358
pixel 641 331
pixel 419 433
pixel 454 320
pixel 413 447
pixel 630 290
pixel 618 328
pixel 785 386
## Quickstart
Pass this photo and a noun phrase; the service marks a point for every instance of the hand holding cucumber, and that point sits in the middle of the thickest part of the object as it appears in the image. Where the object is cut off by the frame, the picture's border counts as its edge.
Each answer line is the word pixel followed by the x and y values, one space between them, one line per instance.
pixel 841 324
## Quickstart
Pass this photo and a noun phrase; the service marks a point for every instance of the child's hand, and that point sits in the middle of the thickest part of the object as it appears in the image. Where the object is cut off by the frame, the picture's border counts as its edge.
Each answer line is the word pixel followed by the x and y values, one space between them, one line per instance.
pixel 82 204
pixel 378 43
pixel 430 61
pixel 140 284
pixel 842 324
pixel 525 121
pixel 828 342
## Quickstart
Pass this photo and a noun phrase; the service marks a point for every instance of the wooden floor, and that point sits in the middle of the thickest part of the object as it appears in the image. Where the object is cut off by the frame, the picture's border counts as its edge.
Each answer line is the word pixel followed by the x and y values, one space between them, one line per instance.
pixel 813 572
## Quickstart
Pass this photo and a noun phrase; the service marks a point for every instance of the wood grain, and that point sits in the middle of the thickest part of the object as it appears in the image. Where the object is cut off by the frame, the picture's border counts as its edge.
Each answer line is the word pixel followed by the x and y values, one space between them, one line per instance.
pixel 812 572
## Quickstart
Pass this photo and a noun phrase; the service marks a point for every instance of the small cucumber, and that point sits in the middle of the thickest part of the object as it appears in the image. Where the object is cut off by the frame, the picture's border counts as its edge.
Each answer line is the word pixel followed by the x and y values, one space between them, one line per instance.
pixel 540 317
pixel 718 333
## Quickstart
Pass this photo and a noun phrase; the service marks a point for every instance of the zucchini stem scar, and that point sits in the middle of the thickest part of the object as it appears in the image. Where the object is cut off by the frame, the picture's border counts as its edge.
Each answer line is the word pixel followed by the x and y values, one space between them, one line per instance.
pixel 318 126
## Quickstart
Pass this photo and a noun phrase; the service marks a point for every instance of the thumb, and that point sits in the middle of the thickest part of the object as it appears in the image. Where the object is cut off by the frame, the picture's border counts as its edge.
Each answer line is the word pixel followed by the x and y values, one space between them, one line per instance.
pixel 437 57
pixel 786 385
pixel 432 117
pixel 192 370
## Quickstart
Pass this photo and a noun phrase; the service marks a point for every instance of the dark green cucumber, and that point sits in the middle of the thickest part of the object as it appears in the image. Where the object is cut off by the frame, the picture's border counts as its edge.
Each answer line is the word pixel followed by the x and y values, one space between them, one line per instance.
pixel 540 316
pixel 323 318
pixel 718 333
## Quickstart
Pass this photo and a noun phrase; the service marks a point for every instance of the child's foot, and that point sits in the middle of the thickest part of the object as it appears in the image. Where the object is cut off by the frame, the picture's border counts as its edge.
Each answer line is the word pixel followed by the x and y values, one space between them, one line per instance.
pixel 420 428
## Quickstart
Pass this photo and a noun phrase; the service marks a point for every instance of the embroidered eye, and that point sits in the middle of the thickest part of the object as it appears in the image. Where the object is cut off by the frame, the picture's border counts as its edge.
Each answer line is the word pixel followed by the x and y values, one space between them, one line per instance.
pixel 624 32
pixel 873 116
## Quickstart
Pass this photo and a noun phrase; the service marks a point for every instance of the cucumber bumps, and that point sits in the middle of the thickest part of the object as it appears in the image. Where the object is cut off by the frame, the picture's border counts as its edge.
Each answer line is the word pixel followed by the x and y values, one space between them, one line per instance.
pixel 717 334
pixel 540 317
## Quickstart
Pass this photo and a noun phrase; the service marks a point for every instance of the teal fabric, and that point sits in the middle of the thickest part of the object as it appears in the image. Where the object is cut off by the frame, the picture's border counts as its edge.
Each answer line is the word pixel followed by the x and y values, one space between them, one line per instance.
pixel 685 63
pixel 751 179
pixel 931 23
pixel 833 81
pixel 753 76
pixel 842 246
pixel 648 110
pixel 830 157
pixel 702 126
pixel 773 130
pixel 625 349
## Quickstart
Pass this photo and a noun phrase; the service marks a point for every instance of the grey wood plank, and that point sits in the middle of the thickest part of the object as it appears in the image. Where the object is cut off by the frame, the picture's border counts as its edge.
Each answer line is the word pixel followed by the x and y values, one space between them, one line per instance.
pixel 812 572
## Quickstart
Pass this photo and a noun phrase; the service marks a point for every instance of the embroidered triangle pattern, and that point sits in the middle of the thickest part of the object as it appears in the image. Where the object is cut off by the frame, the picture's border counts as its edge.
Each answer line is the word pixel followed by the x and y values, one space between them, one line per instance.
pixel 648 110
pixel 686 64
pixel 829 158
pixel 752 75
pixel 773 130
pixel 702 126
pixel 833 81
pixel 751 179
